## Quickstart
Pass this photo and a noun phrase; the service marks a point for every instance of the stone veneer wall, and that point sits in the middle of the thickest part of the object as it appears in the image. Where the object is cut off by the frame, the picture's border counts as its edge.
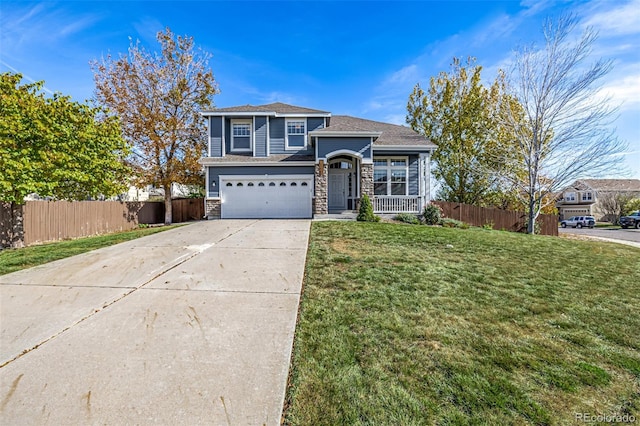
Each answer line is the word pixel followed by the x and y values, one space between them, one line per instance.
pixel 321 205
pixel 212 209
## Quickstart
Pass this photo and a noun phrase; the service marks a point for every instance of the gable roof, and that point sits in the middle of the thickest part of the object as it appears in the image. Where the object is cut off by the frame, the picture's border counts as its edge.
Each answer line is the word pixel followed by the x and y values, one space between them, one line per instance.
pixel 389 134
pixel 385 134
pixel 610 184
pixel 275 108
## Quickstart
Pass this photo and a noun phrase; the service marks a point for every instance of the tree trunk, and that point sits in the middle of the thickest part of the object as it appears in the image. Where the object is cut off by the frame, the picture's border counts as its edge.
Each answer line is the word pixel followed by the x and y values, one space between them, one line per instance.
pixel 16 227
pixel 531 223
pixel 167 205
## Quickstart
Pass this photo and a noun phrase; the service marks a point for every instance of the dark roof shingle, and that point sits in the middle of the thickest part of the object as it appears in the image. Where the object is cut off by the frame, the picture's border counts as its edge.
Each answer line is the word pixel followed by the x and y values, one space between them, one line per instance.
pixel 391 134
pixel 612 184
pixel 277 107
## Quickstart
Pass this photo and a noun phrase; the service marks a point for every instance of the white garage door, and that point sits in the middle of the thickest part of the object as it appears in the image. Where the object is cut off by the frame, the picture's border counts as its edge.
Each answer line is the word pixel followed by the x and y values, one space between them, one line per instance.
pixel 266 196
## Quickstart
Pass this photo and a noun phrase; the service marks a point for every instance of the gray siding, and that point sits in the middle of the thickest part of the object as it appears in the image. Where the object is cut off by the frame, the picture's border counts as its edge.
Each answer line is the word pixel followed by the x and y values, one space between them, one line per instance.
pixel 215 172
pixel 315 123
pixel 215 126
pixel 276 136
pixel 327 145
pixel 260 141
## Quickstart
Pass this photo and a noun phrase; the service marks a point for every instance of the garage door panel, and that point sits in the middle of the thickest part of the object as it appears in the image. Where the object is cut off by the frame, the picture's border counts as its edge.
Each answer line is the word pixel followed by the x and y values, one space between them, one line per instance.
pixel 254 197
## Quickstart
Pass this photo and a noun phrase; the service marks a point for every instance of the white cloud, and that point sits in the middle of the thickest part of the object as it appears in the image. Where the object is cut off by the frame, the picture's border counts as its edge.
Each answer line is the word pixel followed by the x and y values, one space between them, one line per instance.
pixel 621 20
pixel 78 25
pixel 410 73
pixel 624 91
pixel 275 96
pixel 148 28
pixel 26 77
pixel 396 119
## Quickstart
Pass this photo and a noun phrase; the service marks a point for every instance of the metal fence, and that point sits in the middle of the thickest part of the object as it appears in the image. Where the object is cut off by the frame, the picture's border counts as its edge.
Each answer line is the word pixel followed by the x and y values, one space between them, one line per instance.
pixel 43 221
pixel 500 219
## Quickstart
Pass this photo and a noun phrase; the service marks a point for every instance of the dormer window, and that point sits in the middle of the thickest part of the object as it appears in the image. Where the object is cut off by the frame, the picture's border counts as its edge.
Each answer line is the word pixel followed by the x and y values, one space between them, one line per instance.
pixel 570 196
pixel 241 136
pixel 296 135
pixel 586 196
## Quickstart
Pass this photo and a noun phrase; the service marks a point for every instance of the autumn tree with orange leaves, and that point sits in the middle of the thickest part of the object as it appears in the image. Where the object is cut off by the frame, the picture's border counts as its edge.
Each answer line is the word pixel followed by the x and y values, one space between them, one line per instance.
pixel 158 96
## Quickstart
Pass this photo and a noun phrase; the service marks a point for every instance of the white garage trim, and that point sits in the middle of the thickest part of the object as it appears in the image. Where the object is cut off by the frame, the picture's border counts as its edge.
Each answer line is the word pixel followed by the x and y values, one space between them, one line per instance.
pixel 266 196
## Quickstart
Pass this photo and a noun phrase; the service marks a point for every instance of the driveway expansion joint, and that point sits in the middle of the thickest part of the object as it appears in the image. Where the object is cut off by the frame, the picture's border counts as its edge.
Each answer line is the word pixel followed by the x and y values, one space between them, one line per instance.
pixel 154 275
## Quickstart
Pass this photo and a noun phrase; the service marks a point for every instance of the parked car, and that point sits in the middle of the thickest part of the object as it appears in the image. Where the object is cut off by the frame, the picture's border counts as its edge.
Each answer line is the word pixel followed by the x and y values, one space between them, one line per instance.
pixel 579 222
pixel 632 220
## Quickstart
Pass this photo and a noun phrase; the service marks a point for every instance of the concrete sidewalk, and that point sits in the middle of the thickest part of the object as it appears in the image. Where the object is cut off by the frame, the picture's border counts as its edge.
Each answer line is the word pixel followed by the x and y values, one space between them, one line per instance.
pixel 189 326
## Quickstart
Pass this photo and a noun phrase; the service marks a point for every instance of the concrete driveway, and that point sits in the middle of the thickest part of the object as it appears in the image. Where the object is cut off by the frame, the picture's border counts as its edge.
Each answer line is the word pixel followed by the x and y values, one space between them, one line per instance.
pixel 189 326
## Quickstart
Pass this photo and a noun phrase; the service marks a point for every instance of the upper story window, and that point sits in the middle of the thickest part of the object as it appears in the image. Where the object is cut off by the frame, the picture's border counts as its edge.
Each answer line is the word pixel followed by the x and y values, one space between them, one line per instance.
pixel 586 196
pixel 390 175
pixel 569 196
pixel 241 135
pixel 296 134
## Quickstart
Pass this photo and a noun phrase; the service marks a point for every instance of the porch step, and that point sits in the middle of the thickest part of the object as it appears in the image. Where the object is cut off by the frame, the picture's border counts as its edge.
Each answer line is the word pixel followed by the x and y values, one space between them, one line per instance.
pixel 347 215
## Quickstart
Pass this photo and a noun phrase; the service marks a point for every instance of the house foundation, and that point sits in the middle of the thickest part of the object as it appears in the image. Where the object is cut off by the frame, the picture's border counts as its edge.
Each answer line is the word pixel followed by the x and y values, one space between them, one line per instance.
pixel 212 209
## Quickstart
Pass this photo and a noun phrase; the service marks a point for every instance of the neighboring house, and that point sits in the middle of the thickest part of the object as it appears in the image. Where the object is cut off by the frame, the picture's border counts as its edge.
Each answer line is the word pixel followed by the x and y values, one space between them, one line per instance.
pixel 178 190
pixel 586 196
pixel 285 161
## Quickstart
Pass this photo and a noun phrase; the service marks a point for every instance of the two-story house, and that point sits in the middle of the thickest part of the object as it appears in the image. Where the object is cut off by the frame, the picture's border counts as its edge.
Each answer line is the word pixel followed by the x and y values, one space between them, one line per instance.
pixel 585 197
pixel 285 161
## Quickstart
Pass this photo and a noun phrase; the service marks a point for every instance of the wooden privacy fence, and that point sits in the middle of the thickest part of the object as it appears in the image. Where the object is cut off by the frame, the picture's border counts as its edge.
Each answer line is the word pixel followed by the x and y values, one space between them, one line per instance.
pixel 187 209
pixel 501 219
pixel 43 221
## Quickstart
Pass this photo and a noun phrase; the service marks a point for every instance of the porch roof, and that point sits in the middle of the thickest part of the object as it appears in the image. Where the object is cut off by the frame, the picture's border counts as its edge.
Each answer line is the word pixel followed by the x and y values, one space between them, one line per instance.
pixel 389 134
pixel 285 159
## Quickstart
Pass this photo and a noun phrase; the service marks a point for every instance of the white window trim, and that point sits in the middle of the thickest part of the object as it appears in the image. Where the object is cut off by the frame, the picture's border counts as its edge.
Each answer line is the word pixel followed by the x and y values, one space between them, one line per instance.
pixel 389 168
pixel 209 130
pixel 224 138
pixel 245 121
pixel 286 134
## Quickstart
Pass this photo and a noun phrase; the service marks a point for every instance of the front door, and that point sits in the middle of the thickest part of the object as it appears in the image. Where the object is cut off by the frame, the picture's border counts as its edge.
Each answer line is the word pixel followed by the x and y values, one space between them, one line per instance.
pixel 337 190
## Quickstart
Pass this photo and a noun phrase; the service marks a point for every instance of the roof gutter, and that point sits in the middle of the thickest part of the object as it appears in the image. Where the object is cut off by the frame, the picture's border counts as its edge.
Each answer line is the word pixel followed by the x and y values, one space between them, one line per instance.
pixel 262 113
pixel 292 163
pixel 338 133
pixel 404 148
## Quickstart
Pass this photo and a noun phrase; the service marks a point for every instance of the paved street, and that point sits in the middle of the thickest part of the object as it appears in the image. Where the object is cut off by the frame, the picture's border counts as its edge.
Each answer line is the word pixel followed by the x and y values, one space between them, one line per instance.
pixel 189 326
pixel 631 235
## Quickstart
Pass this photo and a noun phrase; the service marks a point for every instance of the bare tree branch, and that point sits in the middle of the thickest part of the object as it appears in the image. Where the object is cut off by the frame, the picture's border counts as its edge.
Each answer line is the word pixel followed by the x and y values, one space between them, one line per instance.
pixel 562 127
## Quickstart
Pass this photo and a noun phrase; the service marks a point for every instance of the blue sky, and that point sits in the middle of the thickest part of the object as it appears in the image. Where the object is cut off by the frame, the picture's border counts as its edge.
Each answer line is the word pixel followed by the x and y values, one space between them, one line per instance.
pixel 352 57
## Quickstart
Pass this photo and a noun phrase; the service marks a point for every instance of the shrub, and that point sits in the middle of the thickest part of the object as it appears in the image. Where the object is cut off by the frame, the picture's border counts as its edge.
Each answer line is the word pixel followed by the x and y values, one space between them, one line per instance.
pixel 432 214
pixel 488 225
pixel 365 214
pixel 453 223
pixel 407 218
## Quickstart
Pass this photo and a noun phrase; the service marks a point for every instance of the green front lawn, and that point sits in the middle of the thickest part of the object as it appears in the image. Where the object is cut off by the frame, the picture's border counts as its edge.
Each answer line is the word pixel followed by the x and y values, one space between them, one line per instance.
pixel 403 325
pixel 12 260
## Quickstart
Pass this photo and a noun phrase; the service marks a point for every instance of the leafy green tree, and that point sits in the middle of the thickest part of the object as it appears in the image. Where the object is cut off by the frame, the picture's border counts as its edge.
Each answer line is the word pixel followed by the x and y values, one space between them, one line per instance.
pixel 55 147
pixel 158 97
pixel 458 113
pixel 632 205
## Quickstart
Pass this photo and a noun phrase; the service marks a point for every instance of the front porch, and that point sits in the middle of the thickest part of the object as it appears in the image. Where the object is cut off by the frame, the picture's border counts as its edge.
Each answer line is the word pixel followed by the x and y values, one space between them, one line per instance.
pixel 395 183
pixel 397 203
pixel 387 204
